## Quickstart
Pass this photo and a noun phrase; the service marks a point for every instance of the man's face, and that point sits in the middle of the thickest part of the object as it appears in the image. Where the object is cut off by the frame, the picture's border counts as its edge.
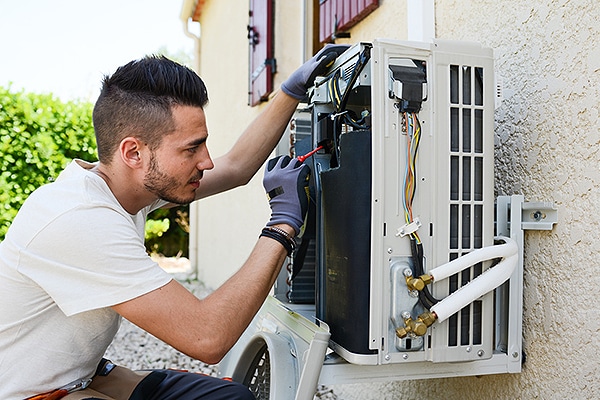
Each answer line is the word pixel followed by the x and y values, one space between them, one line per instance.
pixel 176 167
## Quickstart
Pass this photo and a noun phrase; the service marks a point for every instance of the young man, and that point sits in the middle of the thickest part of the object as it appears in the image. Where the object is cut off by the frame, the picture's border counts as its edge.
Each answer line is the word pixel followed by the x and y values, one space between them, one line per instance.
pixel 73 262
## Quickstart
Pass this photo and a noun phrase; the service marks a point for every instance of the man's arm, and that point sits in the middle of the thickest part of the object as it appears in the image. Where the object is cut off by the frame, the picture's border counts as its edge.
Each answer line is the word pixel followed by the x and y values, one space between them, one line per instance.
pixel 207 328
pixel 251 150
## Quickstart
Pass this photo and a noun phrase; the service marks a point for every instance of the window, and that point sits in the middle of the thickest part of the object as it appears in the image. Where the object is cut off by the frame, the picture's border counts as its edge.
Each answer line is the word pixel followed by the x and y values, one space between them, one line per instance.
pixel 337 16
pixel 260 42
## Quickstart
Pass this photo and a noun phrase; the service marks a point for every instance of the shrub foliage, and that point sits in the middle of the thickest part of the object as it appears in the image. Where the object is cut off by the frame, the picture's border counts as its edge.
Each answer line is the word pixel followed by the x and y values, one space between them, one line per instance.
pixel 39 136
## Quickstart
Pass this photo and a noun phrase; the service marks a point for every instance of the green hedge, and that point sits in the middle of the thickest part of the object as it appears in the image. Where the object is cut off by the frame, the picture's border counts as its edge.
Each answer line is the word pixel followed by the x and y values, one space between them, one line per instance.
pixel 39 136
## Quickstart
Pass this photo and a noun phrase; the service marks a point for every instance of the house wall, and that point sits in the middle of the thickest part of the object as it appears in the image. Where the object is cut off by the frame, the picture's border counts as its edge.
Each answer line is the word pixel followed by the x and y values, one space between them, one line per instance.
pixel 227 225
pixel 547 137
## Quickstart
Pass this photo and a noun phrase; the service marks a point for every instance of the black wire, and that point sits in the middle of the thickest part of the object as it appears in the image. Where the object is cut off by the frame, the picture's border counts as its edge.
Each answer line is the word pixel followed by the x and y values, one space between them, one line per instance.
pixel 363 58
pixel 335 82
pixel 425 296
pixel 336 150
pixel 418 271
pixel 351 119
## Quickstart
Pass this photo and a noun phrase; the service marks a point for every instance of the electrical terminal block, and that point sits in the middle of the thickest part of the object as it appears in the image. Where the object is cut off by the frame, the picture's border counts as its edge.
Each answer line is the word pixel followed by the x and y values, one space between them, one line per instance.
pixel 409 228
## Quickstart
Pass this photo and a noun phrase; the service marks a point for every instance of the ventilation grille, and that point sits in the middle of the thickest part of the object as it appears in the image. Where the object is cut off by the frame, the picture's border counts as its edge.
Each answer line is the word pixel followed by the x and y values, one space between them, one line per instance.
pixel 466 193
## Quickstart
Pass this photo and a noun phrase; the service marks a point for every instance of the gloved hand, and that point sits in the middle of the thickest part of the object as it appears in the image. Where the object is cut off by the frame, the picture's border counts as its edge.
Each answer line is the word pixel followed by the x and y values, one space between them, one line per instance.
pixel 300 80
pixel 286 183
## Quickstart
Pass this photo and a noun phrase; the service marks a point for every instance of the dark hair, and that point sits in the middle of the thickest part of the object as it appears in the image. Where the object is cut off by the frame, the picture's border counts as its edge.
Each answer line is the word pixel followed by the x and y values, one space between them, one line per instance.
pixel 137 100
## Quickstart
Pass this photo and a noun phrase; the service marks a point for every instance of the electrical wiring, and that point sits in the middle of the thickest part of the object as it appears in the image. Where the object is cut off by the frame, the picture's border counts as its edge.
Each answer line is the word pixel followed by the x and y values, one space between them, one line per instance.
pixel 351 119
pixel 339 99
pixel 333 88
pixel 412 128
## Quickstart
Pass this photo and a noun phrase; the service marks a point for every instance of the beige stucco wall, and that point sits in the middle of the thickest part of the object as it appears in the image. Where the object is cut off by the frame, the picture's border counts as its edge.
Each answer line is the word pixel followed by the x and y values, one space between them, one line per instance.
pixel 547 138
pixel 227 225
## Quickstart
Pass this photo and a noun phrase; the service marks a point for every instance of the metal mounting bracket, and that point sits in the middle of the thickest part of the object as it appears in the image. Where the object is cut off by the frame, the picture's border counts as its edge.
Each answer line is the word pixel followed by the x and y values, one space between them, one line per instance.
pixel 539 216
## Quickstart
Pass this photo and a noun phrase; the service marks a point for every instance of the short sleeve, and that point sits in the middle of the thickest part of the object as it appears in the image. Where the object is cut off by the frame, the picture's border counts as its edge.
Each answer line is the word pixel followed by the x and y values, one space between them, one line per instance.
pixel 89 258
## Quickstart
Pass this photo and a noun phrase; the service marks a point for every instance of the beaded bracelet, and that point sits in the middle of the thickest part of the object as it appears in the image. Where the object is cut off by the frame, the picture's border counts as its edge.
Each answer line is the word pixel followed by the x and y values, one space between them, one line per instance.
pixel 287 241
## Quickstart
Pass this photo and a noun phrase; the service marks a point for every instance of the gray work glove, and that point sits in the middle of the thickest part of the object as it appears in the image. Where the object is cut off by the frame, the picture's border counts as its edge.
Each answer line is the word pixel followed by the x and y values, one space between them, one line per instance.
pixel 304 77
pixel 286 183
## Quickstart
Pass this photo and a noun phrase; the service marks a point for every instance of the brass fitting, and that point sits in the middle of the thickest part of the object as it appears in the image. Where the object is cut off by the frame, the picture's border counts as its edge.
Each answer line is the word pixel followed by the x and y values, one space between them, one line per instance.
pixel 428 318
pixel 402 332
pixel 418 283
pixel 418 327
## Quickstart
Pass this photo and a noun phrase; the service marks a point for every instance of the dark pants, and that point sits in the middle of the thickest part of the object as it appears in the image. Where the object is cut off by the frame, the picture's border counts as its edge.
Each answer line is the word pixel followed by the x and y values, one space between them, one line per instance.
pixel 188 386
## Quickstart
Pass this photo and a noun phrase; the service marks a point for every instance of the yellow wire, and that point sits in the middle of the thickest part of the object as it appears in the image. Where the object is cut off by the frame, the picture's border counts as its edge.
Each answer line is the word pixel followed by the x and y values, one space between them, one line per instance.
pixel 413 133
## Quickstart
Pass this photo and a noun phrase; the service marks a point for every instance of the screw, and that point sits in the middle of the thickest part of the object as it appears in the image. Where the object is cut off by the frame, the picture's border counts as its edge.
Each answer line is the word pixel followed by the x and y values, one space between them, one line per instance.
pixel 480 353
pixel 405 356
pixel 390 250
pixel 538 215
pixel 387 357
pixel 515 354
pixel 468 349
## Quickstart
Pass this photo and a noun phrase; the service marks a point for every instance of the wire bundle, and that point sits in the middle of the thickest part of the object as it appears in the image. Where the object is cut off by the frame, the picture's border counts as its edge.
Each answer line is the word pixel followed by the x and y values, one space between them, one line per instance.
pixel 339 99
pixel 412 128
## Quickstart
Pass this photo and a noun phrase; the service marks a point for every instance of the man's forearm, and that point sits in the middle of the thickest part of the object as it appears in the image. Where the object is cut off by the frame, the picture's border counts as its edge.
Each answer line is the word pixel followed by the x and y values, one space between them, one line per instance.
pixel 251 150
pixel 262 135
pixel 206 329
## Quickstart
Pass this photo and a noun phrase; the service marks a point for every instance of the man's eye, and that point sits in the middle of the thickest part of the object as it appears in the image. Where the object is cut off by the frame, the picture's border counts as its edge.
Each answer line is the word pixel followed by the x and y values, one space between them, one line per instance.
pixel 193 149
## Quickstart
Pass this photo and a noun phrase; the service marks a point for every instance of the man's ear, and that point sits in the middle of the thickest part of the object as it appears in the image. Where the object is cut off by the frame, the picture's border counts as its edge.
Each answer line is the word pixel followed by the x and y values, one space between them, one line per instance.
pixel 130 150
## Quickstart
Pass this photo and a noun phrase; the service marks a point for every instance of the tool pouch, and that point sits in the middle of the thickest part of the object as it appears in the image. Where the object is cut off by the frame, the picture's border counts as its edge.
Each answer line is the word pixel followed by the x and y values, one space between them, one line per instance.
pixel 112 382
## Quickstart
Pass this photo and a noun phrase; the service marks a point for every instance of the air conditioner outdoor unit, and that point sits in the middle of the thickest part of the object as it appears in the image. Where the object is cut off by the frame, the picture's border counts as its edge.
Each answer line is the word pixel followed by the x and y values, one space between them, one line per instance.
pixel 404 184
pixel 402 195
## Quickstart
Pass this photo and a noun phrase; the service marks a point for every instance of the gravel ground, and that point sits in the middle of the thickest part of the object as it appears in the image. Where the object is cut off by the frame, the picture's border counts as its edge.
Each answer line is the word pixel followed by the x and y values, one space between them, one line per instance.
pixel 136 349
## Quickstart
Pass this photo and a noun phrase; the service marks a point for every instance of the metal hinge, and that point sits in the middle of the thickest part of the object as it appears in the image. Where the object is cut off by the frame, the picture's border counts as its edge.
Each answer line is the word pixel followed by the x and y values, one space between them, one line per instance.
pixel 268 61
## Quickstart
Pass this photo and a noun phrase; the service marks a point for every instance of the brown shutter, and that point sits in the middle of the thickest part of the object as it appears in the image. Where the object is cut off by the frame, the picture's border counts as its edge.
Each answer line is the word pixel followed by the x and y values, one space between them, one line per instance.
pixel 338 16
pixel 261 62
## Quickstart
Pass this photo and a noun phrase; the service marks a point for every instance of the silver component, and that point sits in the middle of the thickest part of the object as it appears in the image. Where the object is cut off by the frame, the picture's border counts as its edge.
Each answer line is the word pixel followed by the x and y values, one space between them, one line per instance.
pixel 404 304
pixel 76 385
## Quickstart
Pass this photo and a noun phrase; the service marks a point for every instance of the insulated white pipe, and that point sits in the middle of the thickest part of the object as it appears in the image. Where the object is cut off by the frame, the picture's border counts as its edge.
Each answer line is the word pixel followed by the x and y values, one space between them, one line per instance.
pixel 484 283
pixel 484 254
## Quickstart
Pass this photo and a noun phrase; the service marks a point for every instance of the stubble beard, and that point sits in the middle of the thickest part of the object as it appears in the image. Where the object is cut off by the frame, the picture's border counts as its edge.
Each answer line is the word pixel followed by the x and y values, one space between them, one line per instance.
pixel 161 184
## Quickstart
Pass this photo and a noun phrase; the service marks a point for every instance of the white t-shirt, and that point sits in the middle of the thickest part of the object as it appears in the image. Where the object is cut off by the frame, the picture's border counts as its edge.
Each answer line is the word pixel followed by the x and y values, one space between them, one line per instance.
pixel 70 254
